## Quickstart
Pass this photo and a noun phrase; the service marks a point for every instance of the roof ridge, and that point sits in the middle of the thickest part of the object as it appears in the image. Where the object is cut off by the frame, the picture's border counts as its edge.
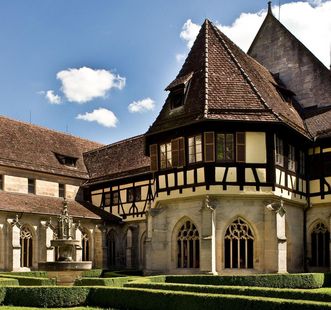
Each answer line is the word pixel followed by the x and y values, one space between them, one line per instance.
pixel 114 144
pixel 205 110
pixel 47 129
pixel 241 69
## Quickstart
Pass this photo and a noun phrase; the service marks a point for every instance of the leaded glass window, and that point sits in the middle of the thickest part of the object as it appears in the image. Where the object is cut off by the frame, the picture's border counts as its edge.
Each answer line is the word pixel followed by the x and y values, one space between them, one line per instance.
pixel 194 149
pixel 239 245
pixel 188 246
pixel 320 245
pixel 26 242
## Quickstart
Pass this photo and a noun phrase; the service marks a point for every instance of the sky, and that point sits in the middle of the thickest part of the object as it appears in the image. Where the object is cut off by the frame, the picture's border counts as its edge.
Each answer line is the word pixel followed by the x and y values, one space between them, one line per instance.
pixel 98 69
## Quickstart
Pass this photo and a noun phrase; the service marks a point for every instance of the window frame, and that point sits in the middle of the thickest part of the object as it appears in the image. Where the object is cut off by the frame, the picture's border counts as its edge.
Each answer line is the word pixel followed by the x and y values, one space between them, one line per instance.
pixel 291 159
pixel 225 145
pixel 194 148
pixel 133 197
pixel 166 155
pixel 279 151
pixel 31 186
pixel 62 190
pixel 1 182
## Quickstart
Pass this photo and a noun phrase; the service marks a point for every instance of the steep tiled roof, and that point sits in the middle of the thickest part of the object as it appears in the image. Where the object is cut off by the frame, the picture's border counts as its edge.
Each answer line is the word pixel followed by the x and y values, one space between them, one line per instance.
pixel 319 125
pixel 33 204
pixel 227 85
pixel 117 160
pixel 276 48
pixel 32 147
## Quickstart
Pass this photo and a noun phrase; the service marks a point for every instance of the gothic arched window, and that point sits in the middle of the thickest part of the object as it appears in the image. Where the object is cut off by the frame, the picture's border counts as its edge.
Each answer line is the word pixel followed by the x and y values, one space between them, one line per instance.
pixel 85 246
pixel 26 242
pixel 239 245
pixel 111 247
pixel 188 246
pixel 320 245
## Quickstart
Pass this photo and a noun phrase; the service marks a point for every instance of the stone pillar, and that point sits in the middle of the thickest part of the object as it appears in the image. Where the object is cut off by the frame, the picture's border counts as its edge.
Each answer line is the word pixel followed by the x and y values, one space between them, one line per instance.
pixel 128 252
pixel 48 230
pixel 148 242
pixel 79 251
pixel 280 214
pixel 208 238
pixel 15 233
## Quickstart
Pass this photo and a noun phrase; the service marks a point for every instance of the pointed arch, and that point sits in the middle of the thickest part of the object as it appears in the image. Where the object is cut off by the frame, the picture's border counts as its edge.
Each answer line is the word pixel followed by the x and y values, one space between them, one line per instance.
pixel 86 244
pixel 26 243
pixel 187 238
pixel 142 249
pixel 111 247
pixel 239 245
pixel 320 244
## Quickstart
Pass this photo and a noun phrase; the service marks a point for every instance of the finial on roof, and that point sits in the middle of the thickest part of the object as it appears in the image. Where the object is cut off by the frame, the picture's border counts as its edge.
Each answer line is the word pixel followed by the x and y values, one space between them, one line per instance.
pixel 269 7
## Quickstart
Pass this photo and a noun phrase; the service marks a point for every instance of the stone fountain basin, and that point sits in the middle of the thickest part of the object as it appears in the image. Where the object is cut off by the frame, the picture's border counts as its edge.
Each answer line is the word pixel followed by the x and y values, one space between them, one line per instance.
pixel 62 242
pixel 63 265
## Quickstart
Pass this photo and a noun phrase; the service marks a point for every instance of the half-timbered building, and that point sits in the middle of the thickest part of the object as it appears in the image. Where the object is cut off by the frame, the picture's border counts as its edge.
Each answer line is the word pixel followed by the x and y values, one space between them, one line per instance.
pixel 234 175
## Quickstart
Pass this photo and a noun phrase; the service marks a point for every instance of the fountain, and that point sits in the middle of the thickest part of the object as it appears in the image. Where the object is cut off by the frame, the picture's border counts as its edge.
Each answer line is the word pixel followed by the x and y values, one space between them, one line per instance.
pixel 65 247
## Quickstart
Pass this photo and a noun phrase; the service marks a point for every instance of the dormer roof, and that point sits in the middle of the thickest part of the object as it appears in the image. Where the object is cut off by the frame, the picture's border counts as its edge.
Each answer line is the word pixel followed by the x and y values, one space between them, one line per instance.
pixel 225 84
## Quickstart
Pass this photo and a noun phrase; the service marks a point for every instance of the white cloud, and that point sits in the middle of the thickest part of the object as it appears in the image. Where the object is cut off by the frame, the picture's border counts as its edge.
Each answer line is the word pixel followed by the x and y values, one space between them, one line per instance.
pixel 52 98
pixel 189 32
pixel 180 57
pixel 102 116
pixel 84 84
pixel 309 21
pixel 143 105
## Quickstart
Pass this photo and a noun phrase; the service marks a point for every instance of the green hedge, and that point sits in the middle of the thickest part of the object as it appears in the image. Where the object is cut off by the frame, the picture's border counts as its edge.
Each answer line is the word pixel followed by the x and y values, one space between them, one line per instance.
pixel 125 298
pixel 304 280
pixel 122 273
pixel 300 294
pixel 8 282
pixel 34 274
pixel 46 296
pixel 129 298
pixel 93 273
pixel 30 281
pixel 119 281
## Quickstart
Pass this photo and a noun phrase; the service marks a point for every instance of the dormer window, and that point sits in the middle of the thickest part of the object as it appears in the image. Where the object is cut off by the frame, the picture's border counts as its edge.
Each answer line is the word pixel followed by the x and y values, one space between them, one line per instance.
pixel 66 160
pixel 178 89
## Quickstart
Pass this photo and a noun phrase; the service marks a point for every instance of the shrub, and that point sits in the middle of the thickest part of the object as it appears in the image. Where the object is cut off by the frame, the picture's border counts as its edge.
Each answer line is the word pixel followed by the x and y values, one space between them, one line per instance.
pixel 327 279
pixel 304 280
pixel 93 273
pixel 34 274
pixel 30 281
pixel 8 282
pixel 125 298
pixel 46 296
pixel 300 294
pixel 119 282
pixel 122 273
pixel 2 294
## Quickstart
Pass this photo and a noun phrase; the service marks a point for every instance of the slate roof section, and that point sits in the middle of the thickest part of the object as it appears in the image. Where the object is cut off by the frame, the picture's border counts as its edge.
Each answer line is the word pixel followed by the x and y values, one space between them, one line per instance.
pixel 120 159
pixel 33 204
pixel 228 85
pixel 32 147
pixel 319 125
pixel 276 48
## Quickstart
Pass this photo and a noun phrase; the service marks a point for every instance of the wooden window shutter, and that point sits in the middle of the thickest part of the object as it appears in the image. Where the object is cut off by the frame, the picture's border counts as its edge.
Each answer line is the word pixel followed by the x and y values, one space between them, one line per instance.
pixel 209 146
pixel 240 145
pixel 154 157
pixel 175 152
pixel 181 152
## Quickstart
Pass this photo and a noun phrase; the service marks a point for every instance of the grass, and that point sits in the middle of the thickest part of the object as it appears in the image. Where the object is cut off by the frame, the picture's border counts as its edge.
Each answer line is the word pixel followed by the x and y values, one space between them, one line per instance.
pixel 33 308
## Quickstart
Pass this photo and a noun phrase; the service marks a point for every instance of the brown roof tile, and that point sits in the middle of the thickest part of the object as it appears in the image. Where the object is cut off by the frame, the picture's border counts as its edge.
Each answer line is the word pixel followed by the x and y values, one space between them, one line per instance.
pixel 32 147
pixel 27 203
pixel 116 160
pixel 319 125
pixel 226 82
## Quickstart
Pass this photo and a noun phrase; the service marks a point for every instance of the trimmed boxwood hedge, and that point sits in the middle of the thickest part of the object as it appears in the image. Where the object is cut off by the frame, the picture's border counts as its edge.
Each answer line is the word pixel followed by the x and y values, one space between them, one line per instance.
pixel 122 273
pixel 304 280
pixel 34 274
pixel 93 273
pixel 56 296
pixel 8 282
pixel 119 281
pixel 300 294
pixel 126 298
pixel 30 281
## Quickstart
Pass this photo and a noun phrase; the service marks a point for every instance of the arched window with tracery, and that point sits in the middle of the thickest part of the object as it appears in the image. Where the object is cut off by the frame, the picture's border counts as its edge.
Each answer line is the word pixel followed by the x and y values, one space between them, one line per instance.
pixel 188 246
pixel 239 245
pixel 320 245
pixel 111 246
pixel 85 246
pixel 26 242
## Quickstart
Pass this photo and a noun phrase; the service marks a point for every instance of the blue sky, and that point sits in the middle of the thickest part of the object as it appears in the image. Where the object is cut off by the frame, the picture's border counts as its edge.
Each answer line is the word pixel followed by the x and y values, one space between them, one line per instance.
pixel 61 59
